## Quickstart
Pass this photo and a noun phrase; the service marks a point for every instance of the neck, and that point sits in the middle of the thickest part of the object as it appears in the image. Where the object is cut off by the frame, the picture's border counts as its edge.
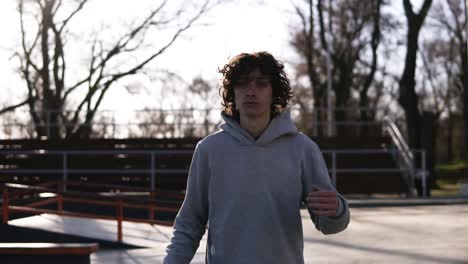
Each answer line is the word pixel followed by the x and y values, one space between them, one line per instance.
pixel 255 125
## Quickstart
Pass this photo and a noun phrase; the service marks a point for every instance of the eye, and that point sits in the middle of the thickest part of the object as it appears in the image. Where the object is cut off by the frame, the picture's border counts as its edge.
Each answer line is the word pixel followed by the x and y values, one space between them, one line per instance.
pixel 262 83
pixel 241 85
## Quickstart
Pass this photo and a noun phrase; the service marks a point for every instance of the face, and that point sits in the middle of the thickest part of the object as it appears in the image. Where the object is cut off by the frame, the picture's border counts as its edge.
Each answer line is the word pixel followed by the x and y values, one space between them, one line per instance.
pixel 253 95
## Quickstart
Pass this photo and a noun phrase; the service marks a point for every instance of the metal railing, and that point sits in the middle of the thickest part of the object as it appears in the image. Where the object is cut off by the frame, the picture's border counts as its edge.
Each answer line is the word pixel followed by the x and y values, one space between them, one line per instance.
pixel 117 124
pixel 160 122
pixel 66 171
pixel 399 142
pixel 405 156
pixel 333 170
pixel 152 171
pixel 330 127
pixel 10 191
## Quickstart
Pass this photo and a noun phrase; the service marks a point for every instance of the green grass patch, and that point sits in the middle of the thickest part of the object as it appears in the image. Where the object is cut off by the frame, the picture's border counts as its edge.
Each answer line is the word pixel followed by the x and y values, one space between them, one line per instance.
pixel 451 166
pixel 447 187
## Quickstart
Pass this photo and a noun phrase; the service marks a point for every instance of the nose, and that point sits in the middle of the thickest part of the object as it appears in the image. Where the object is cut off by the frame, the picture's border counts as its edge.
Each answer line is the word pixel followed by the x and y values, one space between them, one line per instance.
pixel 251 88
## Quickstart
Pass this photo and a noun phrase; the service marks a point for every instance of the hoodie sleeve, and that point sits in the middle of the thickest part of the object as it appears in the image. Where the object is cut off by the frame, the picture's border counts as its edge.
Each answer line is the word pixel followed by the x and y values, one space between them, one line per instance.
pixel 315 172
pixel 190 223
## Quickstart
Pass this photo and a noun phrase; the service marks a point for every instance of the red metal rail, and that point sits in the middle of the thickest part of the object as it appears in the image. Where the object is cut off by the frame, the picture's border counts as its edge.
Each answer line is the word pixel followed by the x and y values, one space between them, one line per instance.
pixel 86 198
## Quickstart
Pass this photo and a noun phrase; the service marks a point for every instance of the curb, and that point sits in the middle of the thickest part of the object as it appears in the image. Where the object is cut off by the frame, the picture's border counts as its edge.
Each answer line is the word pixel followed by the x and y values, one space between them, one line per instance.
pixel 356 203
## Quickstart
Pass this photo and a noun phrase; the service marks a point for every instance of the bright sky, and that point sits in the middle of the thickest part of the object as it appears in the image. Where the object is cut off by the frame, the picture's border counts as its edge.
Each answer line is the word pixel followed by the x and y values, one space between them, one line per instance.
pixel 241 26
pixel 225 31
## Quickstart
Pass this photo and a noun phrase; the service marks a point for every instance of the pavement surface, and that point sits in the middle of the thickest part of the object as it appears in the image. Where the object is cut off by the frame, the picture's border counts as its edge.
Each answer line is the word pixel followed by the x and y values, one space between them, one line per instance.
pixel 390 234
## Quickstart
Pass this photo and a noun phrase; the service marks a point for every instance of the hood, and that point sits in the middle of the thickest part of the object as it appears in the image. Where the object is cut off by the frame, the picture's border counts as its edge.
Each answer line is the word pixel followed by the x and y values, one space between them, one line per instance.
pixel 280 125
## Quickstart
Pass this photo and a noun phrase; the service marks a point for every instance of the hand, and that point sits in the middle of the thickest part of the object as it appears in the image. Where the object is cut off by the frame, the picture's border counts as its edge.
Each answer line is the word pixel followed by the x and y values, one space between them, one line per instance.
pixel 322 201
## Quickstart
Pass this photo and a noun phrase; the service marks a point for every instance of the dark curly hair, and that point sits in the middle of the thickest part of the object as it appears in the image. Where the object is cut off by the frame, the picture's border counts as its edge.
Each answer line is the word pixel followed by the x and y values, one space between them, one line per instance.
pixel 245 63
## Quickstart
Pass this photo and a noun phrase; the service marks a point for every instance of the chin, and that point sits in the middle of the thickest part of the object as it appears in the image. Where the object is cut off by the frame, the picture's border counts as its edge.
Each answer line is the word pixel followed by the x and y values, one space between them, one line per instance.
pixel 254 114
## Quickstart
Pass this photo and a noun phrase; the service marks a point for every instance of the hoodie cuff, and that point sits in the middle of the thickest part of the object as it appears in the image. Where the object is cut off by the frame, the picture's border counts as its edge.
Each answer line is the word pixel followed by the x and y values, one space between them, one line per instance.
pixel 340 209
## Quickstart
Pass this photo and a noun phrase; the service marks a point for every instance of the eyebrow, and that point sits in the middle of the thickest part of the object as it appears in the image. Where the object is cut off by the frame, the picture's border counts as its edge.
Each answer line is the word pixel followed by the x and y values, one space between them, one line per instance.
pixel 260 78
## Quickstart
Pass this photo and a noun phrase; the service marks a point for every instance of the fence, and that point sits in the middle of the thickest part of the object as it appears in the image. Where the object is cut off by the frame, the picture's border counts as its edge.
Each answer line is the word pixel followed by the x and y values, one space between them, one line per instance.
pixel 161 123
pixel 152 171
pixel 62 195
pixel 411 173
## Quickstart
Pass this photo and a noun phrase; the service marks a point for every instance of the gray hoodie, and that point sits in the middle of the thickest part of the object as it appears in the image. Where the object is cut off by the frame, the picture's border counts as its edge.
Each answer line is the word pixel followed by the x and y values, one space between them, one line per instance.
pixel 249 192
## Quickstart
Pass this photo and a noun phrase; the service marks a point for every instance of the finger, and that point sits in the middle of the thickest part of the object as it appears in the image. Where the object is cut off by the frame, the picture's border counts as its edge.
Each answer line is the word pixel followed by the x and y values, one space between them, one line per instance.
pixel 321 199
pixel 322 206
pixel 322 193
pixel 325 212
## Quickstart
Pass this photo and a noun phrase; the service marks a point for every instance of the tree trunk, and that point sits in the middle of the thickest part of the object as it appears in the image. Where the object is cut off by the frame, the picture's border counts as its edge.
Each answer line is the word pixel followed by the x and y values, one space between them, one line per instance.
pixel 318 109
pixel 364 116
pixel 465 98
pixel 450 137
pixel 428 140
pixel 408 98
pixel 342 93
pixel 364 107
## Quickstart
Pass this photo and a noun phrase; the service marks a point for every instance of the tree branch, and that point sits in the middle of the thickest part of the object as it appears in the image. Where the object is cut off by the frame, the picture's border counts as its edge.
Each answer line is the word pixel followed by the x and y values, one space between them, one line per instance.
pixel 408 7
pixel 13 107
pixel 58 70
pixel 424 9
pixel 174 37
pixel 72 14
pixel 322 26
pixel 27 52
pixel 375 41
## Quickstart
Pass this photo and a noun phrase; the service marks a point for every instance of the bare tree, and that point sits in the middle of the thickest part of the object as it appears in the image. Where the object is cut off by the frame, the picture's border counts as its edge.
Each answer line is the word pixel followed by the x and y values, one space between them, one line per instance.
pixel 348 23
pixel 153 123
pixel 364 104
pixel 11 108
pixel 408 98
pixel 451 18
pixel 207 94
pixel 440 72
pixel 306 44
pixel 45 69
pixel 190 115
pixel 301 102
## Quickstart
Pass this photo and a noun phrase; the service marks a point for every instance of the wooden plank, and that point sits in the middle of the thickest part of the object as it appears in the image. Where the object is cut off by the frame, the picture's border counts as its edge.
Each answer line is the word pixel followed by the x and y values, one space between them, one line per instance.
pixel 48 248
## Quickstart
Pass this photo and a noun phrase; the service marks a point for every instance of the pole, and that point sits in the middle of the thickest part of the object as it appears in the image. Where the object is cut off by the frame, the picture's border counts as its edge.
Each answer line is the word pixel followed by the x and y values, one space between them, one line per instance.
pixel 466 39
pixel 5 206
pixel 48 123
pixel 334 168
pixel 65 172
pixel 466 26
pixel 113 124
pixel 119 220
pixel 315 122
pixel 423 179
pixel 329 95
pixel 60 202
pixel 153 173
pixel 329 79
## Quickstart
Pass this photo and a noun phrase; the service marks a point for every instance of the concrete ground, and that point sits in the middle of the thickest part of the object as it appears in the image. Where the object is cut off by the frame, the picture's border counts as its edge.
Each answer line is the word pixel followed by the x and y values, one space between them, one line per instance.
pixel 405 234
pixel 418 234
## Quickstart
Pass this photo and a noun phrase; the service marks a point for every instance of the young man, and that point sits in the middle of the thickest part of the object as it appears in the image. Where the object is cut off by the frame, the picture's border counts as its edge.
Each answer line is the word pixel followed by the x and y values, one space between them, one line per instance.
pixel 248 180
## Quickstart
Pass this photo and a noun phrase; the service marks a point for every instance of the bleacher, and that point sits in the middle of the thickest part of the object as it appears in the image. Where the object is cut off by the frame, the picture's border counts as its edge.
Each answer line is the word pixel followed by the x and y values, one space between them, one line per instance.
pixel 126 165
pixel 100 163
